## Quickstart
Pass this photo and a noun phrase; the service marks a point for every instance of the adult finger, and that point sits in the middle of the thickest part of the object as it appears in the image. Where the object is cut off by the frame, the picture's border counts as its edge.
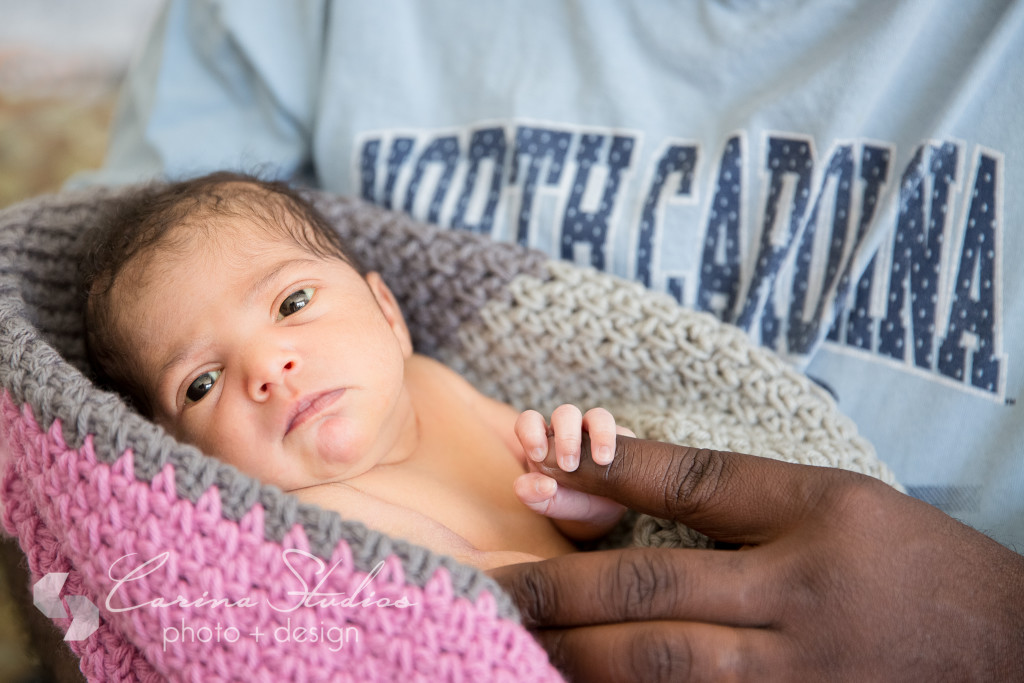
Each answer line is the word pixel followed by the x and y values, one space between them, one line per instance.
pixel 644 584
pixel 665 651
pixel 728 496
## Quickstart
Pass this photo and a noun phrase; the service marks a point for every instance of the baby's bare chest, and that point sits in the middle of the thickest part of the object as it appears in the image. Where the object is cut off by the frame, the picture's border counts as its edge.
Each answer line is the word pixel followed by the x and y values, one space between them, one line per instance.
pixel 463 479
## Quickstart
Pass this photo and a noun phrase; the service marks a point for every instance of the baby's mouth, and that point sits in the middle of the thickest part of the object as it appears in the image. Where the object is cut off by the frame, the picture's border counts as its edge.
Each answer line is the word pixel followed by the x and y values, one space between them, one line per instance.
pixel 308 407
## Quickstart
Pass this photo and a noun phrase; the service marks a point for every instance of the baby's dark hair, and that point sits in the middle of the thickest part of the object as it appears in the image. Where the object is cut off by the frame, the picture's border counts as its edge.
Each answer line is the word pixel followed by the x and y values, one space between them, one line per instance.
pixel 140 223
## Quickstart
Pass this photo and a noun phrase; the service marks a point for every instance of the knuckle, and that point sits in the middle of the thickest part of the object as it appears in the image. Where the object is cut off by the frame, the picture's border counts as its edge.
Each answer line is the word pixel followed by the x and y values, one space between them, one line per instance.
pixel 642 581
pixel 808 582
pixel 557 645
pixel 569 441
pixel 536 433
pixel 535 595
pixel 854 493
pixel 805 584
pixel 658 656
pixel 695 479
pixel 808 577
pixel 630 451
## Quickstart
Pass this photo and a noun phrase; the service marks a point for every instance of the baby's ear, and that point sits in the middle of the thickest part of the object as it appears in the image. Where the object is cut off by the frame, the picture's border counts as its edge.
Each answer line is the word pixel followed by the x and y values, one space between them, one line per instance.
pixel 392 313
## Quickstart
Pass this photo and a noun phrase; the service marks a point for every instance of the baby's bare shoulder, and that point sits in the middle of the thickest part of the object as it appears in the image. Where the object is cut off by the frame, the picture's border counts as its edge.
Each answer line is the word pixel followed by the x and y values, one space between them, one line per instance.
pixel 450 396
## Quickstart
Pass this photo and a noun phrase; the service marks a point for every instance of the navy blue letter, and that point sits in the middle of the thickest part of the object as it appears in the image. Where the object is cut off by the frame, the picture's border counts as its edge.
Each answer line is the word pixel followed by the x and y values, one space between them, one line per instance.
pixel 488 143
pixel 539 144
pixel 801 333
pixel 786 157
pixel 916 255
pixel 973 317
pixel 591 227
pixel 720 263
pixel 874 171
pixel 679 159
pixel 445 151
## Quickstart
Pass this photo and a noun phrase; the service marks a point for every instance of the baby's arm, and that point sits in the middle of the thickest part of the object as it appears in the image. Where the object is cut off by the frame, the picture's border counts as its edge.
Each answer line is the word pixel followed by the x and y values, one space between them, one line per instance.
pixel 578 515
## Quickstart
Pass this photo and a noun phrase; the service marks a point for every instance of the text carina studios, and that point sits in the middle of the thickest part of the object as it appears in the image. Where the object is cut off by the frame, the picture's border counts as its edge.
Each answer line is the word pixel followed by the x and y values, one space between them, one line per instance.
pixel 305 597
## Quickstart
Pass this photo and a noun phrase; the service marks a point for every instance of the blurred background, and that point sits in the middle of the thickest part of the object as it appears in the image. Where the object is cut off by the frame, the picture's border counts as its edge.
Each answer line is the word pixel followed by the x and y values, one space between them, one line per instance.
pixel 61 63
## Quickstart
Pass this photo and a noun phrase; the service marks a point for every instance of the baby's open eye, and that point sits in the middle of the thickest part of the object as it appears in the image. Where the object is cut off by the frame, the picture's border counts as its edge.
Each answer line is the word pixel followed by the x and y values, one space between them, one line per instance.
pixel 294 302
pixel 201 386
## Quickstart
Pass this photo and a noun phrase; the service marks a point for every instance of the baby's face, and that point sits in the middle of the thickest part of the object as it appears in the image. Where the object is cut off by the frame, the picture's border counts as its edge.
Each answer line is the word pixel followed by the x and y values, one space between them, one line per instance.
pixel 284 364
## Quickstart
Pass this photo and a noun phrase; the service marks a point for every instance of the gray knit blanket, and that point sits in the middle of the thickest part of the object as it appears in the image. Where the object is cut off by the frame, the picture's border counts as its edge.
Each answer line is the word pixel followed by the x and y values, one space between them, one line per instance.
pixel 87 482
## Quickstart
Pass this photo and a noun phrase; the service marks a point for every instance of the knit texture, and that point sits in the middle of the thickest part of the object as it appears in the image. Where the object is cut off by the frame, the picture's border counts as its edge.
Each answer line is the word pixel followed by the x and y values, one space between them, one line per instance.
pixel 91 488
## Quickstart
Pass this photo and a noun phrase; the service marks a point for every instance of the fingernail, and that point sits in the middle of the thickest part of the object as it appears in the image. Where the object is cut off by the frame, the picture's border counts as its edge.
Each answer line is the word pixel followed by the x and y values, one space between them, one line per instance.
pixel 545 487
pixel 604 455
pixel 538 454
pixel 571 462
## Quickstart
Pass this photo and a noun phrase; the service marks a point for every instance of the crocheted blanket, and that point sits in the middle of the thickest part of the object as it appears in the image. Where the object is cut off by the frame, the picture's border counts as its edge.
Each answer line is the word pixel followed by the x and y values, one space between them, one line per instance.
pixel 162 563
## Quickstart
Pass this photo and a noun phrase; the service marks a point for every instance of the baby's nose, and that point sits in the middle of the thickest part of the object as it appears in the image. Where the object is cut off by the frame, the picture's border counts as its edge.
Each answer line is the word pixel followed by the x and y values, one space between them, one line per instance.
pixel 271 372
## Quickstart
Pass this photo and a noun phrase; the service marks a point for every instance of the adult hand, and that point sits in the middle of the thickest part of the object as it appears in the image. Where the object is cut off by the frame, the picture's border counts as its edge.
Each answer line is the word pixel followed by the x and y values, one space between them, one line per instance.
pixel 840 577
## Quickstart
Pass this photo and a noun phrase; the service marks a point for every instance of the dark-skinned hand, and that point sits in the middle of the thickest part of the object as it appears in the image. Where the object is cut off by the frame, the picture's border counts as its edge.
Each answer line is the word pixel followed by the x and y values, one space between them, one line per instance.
pixel 839 577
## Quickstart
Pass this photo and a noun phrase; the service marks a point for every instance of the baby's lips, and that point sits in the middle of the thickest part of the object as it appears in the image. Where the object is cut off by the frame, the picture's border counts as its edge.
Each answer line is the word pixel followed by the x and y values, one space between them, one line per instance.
pixel 308 407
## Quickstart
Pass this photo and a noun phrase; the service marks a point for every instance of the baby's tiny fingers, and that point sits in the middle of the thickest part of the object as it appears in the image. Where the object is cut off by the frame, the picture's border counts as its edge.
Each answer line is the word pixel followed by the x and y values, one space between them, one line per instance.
pixel 535 490
pixel 532 432
pixel 567 425
pixel 568 504
pixel 600 425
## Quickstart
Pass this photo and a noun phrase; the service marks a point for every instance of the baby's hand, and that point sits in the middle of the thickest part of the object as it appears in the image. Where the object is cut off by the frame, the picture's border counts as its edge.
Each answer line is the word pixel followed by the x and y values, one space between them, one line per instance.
pixel 581 515
pixel 567 427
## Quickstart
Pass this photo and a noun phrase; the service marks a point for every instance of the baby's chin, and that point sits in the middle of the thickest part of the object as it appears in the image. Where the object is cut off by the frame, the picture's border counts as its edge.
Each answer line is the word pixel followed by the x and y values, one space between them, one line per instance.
pixel 339 445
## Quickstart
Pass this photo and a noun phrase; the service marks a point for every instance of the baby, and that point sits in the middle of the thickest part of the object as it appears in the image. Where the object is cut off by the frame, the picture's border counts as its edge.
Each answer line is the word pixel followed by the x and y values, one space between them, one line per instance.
pixel 230 313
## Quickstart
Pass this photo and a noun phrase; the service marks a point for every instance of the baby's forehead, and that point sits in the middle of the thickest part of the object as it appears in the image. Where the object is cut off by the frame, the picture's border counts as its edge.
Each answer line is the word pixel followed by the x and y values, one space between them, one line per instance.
pixel 231 236
pixel 241 219
pixel 231 255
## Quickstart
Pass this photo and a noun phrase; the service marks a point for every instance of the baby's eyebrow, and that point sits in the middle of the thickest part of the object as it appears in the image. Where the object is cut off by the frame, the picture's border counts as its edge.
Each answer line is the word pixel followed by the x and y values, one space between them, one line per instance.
pixel 262 283
pixel 178 358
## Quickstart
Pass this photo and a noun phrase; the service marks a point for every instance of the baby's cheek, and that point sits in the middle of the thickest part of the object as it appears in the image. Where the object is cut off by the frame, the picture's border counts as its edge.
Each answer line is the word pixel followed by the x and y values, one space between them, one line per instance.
pixel 191 435
pixel 229 444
